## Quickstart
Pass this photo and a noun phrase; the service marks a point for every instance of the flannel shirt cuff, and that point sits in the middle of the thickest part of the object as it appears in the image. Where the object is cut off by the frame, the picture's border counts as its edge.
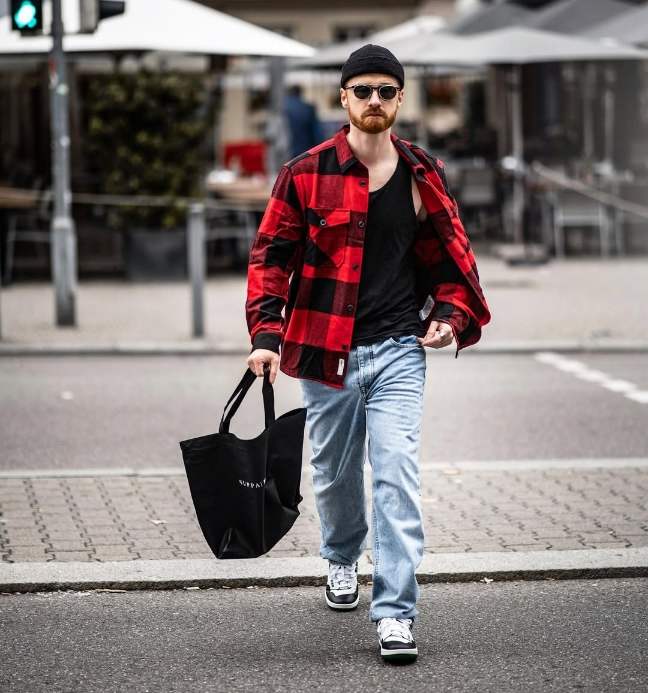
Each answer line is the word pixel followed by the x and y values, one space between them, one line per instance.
pixel 266 340
pixel 453 315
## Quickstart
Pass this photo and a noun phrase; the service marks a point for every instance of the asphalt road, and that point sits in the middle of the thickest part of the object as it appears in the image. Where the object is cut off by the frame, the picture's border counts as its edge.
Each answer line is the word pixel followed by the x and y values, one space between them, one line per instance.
pixel 500 636
pixel 105 412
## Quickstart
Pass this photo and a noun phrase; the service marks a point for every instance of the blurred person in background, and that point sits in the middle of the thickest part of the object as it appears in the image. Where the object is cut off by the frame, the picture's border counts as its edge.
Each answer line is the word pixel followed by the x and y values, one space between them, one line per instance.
pixel 305 130
pixel 359 233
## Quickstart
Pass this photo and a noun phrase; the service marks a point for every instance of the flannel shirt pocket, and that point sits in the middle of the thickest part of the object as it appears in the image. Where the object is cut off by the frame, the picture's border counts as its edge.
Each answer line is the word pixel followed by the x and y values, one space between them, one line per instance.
pixel 328 232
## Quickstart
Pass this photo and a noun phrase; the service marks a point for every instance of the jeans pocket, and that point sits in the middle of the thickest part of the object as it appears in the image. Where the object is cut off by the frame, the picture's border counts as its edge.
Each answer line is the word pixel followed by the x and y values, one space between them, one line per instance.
pixel 405 340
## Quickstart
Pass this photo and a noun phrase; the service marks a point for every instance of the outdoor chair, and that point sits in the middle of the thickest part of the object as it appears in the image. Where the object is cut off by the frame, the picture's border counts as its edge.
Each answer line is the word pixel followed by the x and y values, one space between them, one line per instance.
pixel 477 196
pixel 27 226
pixel 234 229
pixel 573 209
pixel 626 222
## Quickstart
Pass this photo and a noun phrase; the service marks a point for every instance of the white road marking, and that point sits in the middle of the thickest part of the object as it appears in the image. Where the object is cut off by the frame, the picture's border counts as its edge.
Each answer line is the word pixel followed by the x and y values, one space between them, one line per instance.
pixel 581 370
pixel 640 396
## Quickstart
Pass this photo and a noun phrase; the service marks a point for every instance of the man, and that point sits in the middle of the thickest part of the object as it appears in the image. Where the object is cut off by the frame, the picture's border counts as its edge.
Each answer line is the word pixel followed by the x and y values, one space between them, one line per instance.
pixel 359 234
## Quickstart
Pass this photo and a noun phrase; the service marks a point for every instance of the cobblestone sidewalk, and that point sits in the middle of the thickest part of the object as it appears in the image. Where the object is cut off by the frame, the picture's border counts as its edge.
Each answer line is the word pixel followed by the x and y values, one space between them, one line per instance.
pixel 108 517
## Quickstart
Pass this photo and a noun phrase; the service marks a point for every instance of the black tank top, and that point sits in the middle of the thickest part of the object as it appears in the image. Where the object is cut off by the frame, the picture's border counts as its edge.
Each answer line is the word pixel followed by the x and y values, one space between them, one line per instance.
pixel 387 305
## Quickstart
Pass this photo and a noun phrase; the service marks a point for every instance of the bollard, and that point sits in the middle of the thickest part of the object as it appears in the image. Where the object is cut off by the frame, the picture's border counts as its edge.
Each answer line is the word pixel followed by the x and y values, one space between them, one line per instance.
pixel 197 266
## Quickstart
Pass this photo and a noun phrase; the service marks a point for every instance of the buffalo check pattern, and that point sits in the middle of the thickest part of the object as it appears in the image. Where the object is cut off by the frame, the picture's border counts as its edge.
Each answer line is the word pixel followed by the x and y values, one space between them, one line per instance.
pixel 306 259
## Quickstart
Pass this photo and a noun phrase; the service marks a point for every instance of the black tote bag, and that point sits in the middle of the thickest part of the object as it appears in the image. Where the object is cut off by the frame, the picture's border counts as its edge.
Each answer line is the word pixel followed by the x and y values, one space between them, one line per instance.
pixel 246 491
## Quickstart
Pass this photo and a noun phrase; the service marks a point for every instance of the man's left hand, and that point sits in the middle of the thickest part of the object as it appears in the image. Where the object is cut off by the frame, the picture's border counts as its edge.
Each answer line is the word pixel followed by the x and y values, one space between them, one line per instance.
pixel 438 335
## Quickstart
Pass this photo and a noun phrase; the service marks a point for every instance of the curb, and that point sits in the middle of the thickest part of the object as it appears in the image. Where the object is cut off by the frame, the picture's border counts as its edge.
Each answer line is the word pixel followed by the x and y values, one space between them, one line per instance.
pixel 206 349
pixel 310 571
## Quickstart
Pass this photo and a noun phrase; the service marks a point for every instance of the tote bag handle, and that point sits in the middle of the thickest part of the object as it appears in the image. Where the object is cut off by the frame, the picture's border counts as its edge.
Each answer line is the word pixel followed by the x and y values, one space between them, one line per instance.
pixel 241 390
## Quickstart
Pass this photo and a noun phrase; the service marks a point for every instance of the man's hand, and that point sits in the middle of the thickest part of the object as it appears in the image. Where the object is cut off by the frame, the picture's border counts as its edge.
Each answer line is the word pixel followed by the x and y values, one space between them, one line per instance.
pixel 257 360
pixel 438 335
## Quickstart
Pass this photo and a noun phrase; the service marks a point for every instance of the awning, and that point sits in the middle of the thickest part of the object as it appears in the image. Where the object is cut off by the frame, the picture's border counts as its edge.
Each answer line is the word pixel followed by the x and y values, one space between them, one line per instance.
pixel 173 26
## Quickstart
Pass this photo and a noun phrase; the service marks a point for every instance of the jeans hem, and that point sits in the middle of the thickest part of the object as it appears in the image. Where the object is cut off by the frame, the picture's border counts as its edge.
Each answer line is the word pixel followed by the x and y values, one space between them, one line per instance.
pixel 375 619
pixel 337 558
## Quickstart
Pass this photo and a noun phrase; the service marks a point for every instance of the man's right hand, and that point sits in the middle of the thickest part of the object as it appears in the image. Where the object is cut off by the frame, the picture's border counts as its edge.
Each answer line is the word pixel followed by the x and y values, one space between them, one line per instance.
pixel 257 360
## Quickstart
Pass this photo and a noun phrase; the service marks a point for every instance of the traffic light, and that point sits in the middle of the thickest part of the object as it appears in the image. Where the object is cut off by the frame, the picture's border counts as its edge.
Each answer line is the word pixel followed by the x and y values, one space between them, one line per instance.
pixel 27 16
pixel 91 12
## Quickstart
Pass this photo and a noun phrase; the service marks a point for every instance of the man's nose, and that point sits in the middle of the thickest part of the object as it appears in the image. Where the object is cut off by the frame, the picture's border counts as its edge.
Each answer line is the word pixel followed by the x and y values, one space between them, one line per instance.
pixel 375 99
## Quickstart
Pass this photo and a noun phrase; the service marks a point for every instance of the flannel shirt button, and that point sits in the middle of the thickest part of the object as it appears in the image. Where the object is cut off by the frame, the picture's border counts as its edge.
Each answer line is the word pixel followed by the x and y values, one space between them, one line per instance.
pixel 349 307
pixel 361 223
pixel 363 182
pixel 355 266
pixel 322 222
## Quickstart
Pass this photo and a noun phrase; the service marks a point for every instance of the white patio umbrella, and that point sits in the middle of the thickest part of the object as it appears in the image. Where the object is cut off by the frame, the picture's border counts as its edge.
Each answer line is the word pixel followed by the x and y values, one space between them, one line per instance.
pixel 573 16
pixel 629 27
pixel 514 47
pixel 334 55
pixel 177 26
pixel 490 18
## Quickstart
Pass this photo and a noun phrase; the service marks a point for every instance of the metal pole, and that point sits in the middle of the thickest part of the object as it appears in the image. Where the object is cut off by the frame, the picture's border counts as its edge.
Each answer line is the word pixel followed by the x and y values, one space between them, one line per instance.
pixel 63 236
pixel 197 266
pixel 589 86
pixel 421 123
pixel 518 155
pixel 609 107
pixel 277 128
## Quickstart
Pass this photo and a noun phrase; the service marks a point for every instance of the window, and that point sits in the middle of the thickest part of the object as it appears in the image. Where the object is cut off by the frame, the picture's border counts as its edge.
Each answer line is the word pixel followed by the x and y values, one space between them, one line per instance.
pixel 349 33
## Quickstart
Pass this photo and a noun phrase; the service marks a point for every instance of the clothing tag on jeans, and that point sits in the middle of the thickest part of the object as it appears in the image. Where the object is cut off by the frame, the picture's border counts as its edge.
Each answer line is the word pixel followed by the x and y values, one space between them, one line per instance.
pixel 340 366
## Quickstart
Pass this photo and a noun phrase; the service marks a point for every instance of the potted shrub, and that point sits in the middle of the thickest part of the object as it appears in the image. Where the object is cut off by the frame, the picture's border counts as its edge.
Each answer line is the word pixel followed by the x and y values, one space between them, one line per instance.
pixel 146 133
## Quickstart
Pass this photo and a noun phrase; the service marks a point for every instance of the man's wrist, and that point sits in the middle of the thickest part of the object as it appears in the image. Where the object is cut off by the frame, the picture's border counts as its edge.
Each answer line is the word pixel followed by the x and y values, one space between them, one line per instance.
pixel 266 340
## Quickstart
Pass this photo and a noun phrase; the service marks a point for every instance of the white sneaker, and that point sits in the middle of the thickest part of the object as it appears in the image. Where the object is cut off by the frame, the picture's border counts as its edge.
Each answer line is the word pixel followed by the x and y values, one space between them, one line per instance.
pixel 342 586
pixel 396 641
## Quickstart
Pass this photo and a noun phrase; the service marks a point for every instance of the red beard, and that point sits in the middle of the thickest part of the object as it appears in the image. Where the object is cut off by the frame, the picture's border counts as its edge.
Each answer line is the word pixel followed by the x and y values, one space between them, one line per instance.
pixel 373 124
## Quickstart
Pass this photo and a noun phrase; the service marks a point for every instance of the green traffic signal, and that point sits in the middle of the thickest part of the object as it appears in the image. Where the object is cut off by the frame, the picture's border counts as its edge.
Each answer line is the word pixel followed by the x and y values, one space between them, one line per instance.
pixel 27 16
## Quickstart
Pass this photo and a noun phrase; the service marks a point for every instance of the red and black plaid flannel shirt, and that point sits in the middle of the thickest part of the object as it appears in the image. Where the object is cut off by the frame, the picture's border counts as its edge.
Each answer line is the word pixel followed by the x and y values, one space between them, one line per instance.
pixel 307 257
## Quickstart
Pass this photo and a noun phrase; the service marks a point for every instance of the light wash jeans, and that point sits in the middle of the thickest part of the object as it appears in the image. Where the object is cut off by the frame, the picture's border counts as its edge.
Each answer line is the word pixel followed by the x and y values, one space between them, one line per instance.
pixel 382 400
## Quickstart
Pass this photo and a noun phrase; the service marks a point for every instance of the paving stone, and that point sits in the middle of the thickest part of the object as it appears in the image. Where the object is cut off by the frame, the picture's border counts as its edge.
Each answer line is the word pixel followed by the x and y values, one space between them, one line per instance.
pixel 606 544
pixel 28 553
pixel 150 543
pixel 192 547
pixel 113 552
pixel 635 540
pixel 35 540
pixel 156 553
pixel 71 555
pixel 73 534
pixel 566 543
pixel 24 513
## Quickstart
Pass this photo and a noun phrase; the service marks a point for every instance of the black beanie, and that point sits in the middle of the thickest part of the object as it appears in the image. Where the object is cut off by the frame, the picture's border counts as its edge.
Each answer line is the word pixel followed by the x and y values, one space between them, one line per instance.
pixel 372 58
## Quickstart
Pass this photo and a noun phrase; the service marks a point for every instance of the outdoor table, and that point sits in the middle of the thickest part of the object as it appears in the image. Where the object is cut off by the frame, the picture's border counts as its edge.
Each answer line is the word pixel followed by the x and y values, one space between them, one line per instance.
pixel 253 190
pixel 13 198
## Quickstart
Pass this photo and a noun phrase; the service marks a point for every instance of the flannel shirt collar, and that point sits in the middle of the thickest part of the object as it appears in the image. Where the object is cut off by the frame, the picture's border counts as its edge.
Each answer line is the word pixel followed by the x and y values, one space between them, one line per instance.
pixel 346 157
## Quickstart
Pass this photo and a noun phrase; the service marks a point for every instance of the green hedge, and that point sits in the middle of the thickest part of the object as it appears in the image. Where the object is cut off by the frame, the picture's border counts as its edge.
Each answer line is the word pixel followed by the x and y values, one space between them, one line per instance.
pixel 146 135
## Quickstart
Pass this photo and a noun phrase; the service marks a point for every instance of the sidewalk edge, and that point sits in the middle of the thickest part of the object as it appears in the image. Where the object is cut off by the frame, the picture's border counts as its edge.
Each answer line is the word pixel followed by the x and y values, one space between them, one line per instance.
pixel 207 349
pixel 305 571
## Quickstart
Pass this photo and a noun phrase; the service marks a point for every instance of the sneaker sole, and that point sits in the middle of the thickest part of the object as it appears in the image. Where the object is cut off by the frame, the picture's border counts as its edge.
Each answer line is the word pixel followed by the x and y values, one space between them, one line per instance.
pixel 399 656
pixel 342 607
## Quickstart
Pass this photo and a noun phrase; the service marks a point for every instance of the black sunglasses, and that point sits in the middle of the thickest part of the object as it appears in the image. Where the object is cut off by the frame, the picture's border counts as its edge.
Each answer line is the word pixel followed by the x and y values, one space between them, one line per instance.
pixel 364 91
